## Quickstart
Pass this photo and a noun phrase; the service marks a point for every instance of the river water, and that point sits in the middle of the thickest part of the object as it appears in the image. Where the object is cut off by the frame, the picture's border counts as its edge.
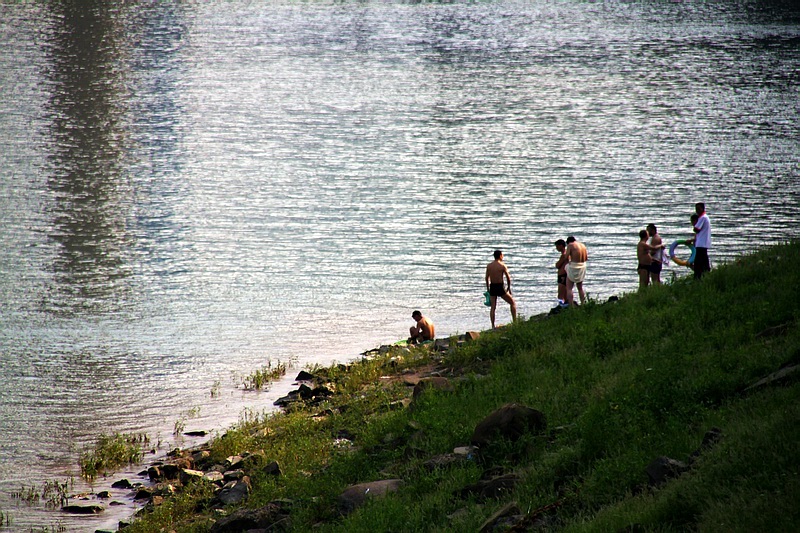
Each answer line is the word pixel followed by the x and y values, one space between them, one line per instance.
pixel 190 191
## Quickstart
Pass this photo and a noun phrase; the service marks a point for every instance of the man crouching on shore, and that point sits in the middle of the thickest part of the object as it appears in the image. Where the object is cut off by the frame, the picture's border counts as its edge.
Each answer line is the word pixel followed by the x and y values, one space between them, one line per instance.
pixel 423 331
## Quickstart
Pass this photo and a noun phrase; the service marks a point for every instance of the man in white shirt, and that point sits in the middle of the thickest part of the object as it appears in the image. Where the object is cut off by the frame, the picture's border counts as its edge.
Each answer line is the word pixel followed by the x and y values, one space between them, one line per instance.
pixel 702 241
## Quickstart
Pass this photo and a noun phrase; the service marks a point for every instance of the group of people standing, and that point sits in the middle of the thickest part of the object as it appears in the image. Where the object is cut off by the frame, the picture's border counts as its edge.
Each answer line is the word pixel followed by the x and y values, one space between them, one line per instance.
pixel 571 268
pixel 650 250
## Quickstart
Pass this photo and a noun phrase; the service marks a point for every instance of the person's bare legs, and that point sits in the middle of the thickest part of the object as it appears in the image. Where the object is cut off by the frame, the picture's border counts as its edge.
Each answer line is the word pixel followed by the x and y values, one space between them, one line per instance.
pixel 510 299
pixel 644 278
pixel 492 309
pixel 570 296
pixel 580 292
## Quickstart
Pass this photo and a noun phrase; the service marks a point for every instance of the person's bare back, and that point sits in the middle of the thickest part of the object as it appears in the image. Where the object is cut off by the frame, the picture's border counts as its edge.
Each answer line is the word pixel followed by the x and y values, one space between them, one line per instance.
pixel 577 252
pixel 496 271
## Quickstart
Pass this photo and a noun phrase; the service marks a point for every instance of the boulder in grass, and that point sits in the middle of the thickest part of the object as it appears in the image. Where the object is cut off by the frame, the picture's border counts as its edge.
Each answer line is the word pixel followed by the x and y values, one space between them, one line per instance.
pixel 663 469
pixel 510 422
pixel 235 492
pixel 271 517
pixel 433 382
pixel 356 495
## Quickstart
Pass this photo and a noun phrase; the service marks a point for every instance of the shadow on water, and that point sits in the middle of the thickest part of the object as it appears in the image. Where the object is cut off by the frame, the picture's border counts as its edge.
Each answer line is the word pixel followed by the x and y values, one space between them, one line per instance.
pixel 87 176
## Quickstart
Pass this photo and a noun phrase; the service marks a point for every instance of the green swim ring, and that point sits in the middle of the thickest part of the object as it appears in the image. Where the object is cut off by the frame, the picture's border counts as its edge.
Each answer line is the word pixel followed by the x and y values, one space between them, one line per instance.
pixel 678 260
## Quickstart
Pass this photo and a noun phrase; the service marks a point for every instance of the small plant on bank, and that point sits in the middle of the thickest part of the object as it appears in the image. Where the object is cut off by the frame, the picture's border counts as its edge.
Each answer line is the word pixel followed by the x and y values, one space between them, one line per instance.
pixel 56 493
pixel 111 452
pixel 262 378
pixel 58 527
pixel 5 519
pixel 215 389
pixel 620 383
pixel 180 424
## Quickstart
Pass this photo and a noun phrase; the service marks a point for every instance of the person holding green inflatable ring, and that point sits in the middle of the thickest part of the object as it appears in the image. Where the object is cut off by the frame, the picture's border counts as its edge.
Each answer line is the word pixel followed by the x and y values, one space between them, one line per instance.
pixel 677 260
pixel 701 241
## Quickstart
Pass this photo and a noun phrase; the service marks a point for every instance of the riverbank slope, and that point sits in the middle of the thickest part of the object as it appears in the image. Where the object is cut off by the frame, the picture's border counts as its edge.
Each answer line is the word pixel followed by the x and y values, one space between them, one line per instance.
pixel 670 409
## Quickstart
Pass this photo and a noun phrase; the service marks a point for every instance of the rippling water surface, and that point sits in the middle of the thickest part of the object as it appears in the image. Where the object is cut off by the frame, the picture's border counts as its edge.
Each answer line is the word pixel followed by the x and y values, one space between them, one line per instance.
pixel 191 190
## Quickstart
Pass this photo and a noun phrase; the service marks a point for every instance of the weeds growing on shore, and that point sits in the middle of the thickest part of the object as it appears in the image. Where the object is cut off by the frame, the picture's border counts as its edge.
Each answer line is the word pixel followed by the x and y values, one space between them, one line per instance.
pixel 621 383
pixel 263 377
pixel 53 494
pixel 58 527
pixel 111 452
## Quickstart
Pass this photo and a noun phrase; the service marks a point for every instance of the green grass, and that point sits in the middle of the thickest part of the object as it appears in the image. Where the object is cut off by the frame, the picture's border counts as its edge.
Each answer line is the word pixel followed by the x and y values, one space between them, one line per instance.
pixel 263 377
pixel 620 383
pixel 111 452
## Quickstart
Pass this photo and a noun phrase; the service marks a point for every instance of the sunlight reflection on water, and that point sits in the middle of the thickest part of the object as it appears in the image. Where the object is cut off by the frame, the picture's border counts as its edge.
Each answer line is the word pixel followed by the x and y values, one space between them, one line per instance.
pixel 223 184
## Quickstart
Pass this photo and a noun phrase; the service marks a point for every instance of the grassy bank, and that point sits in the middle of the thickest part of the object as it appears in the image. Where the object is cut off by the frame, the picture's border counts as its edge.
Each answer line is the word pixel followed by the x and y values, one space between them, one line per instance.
pixel 621 384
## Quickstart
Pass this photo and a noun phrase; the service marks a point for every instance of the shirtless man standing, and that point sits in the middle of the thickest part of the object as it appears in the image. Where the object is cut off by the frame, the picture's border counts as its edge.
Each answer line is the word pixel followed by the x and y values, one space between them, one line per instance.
pixel 643 255
pixel 576 268
pixel 496 271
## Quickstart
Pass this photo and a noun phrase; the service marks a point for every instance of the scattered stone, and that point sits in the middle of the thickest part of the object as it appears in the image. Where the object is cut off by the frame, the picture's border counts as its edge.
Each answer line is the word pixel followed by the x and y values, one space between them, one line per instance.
pixel 214 477
pixel 435 382
pixel 510 422
pixel 441 345
pixel 783 375
pixel 233 475
pixel 271 517
pixel 172 470
pixel 143 493
pixel 494 487
pixel 305 376
pixel 253 461
pixel 234 492
pixel 355 496
pixel 175 452
pixel 506 516
pixel 289 399
pixel 201 456
pixel 663 469
pixel 411 380
pixel 443 461
pixel 122 484
pixel 467 452
pixel 154 473
pixel 711 438
pixel 164 489
pixel 104 495
pixel 233 461
pixel 272 469
pixel 83 509
pixel 189 476
pixel 196 433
